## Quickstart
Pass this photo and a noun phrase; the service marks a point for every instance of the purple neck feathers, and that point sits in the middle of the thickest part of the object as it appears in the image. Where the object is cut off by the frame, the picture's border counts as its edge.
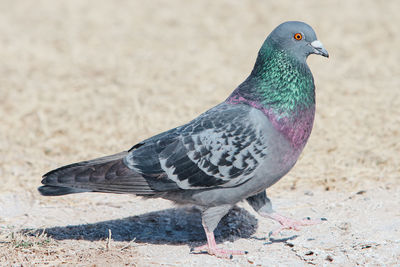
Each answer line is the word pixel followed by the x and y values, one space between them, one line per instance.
pixel 295 127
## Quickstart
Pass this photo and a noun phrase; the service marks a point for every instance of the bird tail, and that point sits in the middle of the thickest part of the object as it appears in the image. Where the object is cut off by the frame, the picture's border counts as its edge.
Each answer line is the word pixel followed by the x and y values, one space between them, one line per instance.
pixel 52 190
pixel 108 174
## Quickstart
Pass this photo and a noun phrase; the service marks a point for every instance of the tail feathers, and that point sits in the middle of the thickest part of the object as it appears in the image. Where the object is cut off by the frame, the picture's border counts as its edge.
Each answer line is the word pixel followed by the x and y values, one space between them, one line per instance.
pixel 49 190
pixel 107 174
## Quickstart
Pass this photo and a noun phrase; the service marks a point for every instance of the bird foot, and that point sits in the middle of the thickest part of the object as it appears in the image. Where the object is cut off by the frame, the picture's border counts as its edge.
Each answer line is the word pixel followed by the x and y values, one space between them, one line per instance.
pixel 291 224
pixel 219 252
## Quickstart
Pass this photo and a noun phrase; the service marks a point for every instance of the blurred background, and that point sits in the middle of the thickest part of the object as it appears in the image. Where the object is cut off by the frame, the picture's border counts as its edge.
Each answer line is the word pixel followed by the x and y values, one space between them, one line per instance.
pixel 83 79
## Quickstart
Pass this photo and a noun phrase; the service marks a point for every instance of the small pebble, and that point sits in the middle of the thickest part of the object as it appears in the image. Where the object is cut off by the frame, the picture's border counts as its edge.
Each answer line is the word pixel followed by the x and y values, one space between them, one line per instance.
pixel 329 258
pixel 308 193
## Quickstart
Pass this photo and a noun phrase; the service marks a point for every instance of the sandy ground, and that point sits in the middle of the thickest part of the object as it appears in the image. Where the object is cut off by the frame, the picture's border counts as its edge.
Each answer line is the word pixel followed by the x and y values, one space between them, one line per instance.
pixel 82 79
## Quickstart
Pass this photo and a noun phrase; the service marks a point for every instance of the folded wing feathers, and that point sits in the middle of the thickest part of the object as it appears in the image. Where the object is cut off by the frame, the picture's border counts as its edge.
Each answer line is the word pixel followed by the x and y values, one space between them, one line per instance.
pixel 107 174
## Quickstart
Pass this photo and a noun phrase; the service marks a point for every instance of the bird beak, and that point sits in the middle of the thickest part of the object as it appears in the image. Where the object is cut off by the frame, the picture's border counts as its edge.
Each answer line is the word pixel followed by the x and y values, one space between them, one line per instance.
pixel 319 48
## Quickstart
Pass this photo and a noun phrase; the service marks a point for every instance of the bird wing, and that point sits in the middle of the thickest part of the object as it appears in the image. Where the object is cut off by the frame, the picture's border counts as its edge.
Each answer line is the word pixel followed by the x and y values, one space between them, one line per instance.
pixel 221 148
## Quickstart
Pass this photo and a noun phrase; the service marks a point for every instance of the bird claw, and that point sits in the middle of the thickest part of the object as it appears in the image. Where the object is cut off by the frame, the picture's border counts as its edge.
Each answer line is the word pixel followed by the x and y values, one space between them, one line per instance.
pixel 219 252
pixel 291 224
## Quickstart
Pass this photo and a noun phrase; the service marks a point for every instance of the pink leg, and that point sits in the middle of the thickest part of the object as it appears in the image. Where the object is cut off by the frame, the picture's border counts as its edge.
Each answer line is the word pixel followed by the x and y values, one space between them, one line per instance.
pixel 212 249
pixel 287 223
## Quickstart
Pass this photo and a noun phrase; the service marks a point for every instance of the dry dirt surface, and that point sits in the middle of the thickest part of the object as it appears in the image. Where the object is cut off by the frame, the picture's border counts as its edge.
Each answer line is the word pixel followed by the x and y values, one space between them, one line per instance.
pixel 83 79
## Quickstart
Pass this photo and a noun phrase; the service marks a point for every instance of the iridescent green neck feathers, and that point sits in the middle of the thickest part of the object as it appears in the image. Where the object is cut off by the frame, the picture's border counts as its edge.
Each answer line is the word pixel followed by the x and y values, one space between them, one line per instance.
pixel 282 87
pixel 279 81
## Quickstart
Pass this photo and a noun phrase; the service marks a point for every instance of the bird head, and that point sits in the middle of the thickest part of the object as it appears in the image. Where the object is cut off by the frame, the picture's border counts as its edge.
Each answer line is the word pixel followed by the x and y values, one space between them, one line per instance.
pixel 296 38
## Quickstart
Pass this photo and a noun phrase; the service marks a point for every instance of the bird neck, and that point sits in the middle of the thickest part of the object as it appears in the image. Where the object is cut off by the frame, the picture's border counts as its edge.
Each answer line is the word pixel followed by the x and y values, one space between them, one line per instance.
pixel 282 87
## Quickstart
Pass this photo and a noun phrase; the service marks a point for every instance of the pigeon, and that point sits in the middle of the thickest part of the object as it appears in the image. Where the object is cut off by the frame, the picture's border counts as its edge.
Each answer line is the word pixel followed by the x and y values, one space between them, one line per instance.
pixel 232 152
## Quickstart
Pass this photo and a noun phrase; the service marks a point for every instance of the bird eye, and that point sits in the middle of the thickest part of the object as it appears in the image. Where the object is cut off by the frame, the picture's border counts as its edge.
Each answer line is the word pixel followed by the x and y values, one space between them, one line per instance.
pixel 298 36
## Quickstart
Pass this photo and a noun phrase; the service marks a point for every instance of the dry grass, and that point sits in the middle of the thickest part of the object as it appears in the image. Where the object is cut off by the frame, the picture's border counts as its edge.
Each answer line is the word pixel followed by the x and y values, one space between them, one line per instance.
pixel 82 79
pixel 29 248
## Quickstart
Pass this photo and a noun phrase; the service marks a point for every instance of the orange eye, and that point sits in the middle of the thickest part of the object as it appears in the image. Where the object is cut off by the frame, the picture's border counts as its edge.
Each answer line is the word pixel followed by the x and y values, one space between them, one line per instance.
pixel 298 36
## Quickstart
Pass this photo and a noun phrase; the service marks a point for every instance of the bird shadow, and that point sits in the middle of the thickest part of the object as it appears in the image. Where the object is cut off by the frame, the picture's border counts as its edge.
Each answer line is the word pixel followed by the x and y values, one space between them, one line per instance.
pixel 170 226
